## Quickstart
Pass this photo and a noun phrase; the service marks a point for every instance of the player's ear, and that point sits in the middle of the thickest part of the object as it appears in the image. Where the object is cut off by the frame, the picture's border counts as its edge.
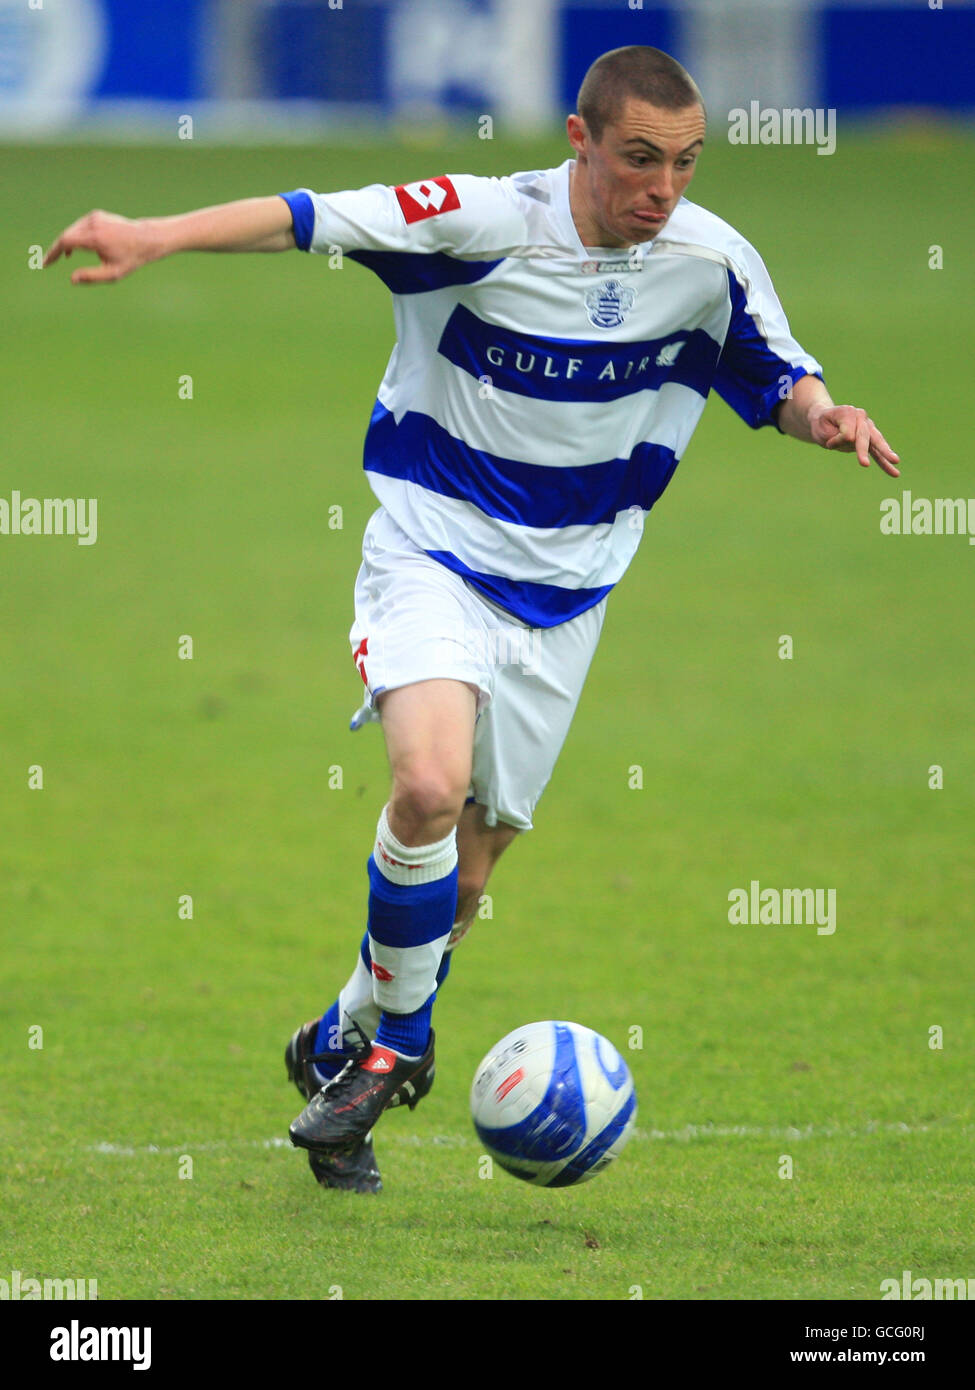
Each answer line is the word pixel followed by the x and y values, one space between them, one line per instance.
pixel 577 132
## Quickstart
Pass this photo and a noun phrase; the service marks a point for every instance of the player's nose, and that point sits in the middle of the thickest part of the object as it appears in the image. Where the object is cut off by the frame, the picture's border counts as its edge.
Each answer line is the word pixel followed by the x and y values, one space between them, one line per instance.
pixel 660 184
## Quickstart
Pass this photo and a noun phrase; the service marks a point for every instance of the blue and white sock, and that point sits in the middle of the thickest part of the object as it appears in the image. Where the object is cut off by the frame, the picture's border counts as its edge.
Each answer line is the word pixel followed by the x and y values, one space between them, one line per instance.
pixel 329 1039
pixel 412 903
pixel 355 1009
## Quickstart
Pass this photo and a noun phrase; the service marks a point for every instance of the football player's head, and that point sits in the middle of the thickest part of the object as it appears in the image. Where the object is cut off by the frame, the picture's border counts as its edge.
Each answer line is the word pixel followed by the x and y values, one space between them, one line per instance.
pixel 640 126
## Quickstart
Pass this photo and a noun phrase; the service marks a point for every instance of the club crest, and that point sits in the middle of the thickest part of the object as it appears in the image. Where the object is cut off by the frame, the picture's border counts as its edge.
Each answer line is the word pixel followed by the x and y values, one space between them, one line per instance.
pixel 609 304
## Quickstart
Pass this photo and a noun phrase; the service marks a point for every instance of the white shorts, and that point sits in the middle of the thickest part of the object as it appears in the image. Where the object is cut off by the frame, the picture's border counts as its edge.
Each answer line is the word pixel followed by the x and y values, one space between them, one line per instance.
pixel 416 620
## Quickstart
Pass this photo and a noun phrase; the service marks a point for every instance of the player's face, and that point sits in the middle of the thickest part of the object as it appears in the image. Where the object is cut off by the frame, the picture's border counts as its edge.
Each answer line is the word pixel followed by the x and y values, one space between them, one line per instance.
pixel 626 186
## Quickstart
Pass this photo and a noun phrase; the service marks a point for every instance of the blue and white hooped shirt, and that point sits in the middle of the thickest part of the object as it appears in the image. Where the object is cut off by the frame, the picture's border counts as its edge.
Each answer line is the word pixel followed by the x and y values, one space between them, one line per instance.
pixel 541 392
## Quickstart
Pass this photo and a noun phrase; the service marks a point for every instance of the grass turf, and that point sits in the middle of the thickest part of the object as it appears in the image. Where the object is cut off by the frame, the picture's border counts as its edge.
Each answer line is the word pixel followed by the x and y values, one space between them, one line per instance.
pixel 162 1036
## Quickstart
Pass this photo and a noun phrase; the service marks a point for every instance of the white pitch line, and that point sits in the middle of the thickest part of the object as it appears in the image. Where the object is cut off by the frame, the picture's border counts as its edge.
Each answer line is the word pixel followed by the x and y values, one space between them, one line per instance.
pixel 686 1134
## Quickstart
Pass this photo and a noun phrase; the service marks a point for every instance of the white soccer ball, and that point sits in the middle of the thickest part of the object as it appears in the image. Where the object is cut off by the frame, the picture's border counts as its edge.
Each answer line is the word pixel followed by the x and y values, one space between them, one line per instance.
pixel 553 1103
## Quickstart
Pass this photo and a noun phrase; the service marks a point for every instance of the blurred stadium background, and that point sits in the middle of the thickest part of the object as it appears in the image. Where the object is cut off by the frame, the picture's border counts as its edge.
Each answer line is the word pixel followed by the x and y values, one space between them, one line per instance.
pixel 282 68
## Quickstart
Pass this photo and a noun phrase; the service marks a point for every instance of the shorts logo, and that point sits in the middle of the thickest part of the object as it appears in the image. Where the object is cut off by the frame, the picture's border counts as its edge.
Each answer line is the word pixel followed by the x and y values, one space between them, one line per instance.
pixel 609 304
pixel 359 657
pixel 428 198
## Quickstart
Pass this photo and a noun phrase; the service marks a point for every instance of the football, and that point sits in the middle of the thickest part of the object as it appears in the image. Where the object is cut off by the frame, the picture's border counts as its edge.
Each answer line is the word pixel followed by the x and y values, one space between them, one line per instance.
pixel 553 1103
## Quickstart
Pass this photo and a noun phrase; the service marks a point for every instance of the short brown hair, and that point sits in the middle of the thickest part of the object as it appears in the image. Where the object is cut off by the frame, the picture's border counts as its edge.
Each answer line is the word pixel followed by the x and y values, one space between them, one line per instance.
pixel 637 71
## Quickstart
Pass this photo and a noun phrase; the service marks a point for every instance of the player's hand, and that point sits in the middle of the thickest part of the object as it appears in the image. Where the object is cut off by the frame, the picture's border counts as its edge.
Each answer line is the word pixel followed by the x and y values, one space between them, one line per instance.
pixel 848 429
pixel 121 245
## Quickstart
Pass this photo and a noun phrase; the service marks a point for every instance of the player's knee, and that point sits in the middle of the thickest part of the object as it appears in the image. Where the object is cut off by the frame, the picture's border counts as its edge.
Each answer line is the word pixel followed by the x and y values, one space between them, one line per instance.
pixel 426 797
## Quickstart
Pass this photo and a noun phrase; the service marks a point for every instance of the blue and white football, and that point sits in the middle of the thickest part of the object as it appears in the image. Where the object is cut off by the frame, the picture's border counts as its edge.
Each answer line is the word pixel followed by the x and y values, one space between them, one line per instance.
pixel 553 1103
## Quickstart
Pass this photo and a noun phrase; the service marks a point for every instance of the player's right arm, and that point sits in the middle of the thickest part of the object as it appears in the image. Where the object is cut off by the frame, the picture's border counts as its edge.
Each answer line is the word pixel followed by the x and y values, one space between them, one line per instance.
pixel 460 215
pixel 124 244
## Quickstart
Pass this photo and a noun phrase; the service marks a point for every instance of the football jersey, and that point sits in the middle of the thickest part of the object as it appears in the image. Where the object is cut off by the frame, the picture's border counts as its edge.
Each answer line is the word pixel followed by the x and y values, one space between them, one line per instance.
pixel 541 393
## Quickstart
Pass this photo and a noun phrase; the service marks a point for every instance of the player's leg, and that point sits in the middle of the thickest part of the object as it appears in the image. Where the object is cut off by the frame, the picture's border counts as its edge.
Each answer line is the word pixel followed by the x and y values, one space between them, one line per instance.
pixel 428 727
pixel 412 619
pixel 416 623
pixel 429 731
pixel 318 1052
pixel 479 847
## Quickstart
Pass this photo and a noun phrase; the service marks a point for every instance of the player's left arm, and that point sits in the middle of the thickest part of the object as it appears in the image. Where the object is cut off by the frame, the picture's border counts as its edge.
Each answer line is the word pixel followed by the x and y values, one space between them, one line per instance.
pixel 810 414
pixel 767 377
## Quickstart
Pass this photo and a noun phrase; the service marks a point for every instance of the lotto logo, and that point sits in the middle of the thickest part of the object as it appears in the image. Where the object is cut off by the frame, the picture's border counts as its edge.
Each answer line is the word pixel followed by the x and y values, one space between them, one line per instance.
pixel 381 973
pixel 359 657
pixel 427 198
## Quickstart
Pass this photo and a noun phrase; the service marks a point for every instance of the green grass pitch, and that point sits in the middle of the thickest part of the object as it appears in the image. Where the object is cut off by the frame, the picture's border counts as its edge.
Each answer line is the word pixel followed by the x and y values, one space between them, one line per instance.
pixel 163 1035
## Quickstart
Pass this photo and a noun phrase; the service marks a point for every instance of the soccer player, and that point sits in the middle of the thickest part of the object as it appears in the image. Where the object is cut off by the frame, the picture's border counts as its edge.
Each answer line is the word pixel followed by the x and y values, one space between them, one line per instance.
pixel 558 333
